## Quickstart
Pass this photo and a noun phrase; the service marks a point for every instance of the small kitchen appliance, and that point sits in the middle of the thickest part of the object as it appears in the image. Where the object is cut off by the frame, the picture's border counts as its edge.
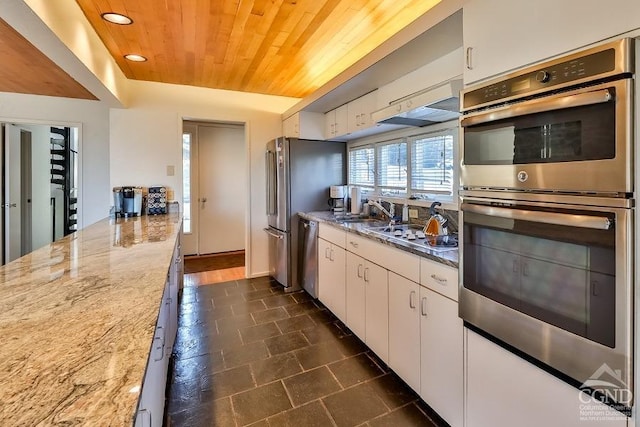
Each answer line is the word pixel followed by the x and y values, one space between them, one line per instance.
pixel 127 201
pixel 338 197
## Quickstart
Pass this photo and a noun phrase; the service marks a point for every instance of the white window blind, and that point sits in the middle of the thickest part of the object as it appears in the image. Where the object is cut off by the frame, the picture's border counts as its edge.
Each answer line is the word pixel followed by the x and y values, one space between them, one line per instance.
pixel 432 164
pixel 392 167
pixel 362 167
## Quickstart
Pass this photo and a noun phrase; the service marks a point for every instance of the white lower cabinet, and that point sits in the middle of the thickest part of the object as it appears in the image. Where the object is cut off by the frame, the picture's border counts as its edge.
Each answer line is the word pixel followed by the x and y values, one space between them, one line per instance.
pixel 331 277
pixel 152 395
pixel 367 303
pixel 504 390
pixel 404 329
pixel 441 356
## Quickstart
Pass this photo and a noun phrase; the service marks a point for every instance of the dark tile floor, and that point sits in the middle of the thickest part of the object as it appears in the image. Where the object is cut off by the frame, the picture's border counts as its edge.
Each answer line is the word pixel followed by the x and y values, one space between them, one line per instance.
pixel 249 354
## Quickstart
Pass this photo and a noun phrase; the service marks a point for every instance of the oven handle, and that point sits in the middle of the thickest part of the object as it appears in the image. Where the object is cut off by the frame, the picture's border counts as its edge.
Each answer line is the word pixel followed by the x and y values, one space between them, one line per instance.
pixel 540 106
pixel 584 221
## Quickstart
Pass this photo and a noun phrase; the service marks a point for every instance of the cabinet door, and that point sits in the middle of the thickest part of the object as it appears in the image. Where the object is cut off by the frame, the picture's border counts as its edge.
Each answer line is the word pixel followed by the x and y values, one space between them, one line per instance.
pixel 502 35
pixel 338 258
pixel 501 387
pixel 330 124
pixel 355 291
pixel 341 119
pixel 404 329
pixel 326 286
pixel 377 310
pixel 441 340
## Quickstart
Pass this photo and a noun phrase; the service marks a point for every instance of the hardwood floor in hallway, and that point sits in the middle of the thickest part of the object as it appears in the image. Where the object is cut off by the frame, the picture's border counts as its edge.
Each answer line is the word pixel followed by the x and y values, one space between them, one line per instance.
pixel 247 353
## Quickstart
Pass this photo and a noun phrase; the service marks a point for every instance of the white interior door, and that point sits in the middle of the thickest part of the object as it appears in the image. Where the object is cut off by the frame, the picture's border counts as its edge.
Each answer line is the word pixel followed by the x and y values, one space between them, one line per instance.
pixel 215 196
pixel 222 188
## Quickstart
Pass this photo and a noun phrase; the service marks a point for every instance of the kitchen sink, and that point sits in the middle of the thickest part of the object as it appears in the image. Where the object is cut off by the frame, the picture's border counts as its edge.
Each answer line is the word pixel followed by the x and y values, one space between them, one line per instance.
pixel 360 220
pixel 412 235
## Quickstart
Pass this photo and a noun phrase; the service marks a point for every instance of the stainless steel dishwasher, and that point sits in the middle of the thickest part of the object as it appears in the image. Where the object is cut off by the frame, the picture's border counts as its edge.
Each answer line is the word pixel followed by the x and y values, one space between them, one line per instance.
pixel 308 256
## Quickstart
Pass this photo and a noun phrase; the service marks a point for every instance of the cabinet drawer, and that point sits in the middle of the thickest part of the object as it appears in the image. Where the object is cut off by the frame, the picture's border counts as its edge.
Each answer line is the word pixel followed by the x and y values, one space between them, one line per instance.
pixel 332 234
pixel 400 262
pixel 439 278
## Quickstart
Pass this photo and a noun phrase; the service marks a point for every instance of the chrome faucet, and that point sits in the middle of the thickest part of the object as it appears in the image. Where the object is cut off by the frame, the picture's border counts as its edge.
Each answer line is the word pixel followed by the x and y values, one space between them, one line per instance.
pixel 378 204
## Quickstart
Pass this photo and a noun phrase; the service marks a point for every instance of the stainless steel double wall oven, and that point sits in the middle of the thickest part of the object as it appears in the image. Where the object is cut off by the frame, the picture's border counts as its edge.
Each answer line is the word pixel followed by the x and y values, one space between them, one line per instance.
pixel 547 213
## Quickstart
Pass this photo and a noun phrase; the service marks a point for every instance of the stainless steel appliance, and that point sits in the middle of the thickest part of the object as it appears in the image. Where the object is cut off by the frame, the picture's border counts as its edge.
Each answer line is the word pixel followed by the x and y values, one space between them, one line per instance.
pixel 308 259
pixel 299 174
pixel 547 215
pixel 127 201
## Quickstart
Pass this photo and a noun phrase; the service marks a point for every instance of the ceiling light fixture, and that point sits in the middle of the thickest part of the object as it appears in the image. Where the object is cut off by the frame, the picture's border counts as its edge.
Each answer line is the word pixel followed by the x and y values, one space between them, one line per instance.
pixel 135 57
pixel 116 18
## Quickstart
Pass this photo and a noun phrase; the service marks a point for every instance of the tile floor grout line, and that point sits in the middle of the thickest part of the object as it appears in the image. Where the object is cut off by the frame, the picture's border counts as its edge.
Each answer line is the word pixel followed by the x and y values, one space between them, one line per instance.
pixel 327 411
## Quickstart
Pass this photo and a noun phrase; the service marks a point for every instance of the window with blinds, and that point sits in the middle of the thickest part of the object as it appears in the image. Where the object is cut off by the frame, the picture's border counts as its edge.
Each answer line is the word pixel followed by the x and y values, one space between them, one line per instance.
pixel 432 164
pixel 391 171
pixel 362 167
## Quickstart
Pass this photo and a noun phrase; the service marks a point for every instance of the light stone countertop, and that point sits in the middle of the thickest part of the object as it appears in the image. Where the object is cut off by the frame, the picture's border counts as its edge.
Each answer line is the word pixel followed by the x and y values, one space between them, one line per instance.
pixel 77 319
pixel 449 258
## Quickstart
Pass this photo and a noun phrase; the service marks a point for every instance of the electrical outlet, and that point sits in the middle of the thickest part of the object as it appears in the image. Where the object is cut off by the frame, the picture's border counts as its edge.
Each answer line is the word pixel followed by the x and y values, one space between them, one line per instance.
pixel 413 213
pixel 171 170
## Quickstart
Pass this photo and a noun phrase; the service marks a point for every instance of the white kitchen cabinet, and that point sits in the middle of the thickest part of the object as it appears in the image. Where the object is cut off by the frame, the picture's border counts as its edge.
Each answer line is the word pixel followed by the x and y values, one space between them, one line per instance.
pixel 441 356
pixel 332 277
pixel 404 329
pixel 439 277
pixel 502 389
pixel 359 112
pixel 367 303
pixel 152 395
pixel 501 35
pixel 304 124
pixel 336 123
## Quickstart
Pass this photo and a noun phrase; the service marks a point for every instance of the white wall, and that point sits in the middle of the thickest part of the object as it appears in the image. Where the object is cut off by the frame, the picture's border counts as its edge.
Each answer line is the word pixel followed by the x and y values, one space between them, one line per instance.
pixel 146 138
pixel 93 119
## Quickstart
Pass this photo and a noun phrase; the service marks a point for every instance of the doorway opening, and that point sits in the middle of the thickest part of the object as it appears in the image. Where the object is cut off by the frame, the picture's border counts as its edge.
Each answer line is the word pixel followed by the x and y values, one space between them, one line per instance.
pixel 215 189
pixel 39 186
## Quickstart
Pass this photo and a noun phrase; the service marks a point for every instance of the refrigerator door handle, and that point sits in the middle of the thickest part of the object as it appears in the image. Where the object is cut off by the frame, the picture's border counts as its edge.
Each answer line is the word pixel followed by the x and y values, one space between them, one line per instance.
pixel 270 160
pixel 272 234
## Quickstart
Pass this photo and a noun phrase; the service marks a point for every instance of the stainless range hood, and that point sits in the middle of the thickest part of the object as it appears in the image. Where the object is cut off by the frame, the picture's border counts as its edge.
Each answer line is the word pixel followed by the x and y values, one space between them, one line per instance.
pixel 433 105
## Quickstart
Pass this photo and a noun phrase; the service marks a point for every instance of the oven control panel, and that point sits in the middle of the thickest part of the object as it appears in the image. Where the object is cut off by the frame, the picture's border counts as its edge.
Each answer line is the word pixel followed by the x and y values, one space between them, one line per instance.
pixel 544 76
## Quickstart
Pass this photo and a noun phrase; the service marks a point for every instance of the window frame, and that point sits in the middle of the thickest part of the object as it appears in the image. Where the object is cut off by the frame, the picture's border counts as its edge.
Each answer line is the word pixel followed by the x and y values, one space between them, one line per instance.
pixel 410 136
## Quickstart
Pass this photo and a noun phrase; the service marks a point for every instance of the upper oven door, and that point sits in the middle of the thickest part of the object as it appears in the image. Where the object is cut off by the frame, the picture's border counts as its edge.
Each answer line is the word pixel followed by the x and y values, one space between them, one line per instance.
pixel 575 141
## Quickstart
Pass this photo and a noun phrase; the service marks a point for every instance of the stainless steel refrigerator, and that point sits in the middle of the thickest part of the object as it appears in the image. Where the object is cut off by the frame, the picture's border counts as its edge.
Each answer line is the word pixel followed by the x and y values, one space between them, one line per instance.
pixel 299 174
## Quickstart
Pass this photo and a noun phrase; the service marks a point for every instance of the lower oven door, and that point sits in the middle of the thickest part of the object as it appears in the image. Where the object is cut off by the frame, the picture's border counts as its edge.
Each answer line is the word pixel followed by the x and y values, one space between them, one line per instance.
pixel 554 281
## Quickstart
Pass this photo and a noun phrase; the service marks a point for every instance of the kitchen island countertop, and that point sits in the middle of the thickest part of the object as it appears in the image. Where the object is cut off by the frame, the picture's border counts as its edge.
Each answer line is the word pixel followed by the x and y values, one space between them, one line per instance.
pixel 77 319
pixel 449 257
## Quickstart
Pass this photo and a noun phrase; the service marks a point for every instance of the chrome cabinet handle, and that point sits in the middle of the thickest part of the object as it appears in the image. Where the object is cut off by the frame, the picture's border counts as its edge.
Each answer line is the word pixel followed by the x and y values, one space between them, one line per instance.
pixel 469 58
pixel 331 254
pixel 326 252
pixel 411 303
pixel 366 275
pixel 439 279
pixel 360 271
pixel 423 306
pixel 354 244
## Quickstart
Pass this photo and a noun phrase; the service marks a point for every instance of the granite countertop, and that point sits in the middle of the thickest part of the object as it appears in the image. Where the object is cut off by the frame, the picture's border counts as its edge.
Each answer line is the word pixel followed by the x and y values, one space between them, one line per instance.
pixel 77 319
pixel 449 257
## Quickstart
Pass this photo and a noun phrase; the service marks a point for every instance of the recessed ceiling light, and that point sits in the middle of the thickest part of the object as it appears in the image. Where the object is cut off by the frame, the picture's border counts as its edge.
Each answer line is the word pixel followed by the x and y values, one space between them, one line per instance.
pixel 135 57
pixel 116 18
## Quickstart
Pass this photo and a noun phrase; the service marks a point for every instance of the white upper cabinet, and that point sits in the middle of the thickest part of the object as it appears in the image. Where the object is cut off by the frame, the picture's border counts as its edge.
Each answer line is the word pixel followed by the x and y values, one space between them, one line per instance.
pixel 335 123
pixel 502 35
pixel 359 112
pixel 304 124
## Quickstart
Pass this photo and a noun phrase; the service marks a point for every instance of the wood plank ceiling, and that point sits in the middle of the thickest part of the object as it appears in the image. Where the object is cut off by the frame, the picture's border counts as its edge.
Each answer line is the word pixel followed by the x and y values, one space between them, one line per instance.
pixel 277 47
pixel 27 70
